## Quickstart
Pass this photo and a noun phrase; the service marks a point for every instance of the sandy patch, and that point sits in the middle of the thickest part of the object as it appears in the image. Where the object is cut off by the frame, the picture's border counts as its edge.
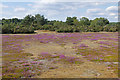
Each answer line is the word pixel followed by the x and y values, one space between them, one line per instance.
pixel 92 44
pixel 86 70
pixel 36 48
pixel 44 31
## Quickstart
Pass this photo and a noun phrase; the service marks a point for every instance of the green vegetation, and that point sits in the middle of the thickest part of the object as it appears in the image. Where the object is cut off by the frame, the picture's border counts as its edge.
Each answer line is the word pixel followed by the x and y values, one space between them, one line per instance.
pixel 72 24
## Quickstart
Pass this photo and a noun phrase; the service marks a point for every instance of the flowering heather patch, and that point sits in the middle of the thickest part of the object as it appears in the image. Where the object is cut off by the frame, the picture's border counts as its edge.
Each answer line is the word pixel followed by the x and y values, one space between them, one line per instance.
pixel 103 46
pixel 26 64
pixel 19 65
pixel 103 42
pixel 94 39
pixel 55 56
pixel 33 62
pixel 91 54
pixel 45 55
pixel 83 45
pixel 67 59
pixel 40 63
pixel 62 56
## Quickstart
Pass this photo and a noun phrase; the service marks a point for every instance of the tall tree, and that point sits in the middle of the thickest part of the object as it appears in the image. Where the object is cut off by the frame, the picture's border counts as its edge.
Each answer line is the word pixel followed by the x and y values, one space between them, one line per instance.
pixel 27 20
pixel 40 19
pixel 70 20
pixel 84 21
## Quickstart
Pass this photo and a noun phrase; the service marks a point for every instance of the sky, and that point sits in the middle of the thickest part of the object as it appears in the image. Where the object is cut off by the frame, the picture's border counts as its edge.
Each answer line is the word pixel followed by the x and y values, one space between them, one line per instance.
pixel 60 10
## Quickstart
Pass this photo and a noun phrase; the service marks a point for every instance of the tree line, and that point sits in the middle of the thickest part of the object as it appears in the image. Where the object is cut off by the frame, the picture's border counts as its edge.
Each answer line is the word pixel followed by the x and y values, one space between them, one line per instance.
pixel 38 22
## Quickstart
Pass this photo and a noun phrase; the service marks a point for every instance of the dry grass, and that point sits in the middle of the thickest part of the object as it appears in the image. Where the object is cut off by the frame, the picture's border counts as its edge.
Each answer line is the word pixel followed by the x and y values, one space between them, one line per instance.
pixel 52 66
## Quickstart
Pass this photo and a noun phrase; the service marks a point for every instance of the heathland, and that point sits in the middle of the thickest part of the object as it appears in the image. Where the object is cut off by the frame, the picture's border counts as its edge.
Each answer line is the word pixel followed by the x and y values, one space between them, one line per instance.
pixel 60 55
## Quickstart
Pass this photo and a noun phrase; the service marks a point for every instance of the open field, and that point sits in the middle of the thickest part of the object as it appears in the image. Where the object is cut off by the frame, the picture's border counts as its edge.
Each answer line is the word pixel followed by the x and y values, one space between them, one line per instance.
pixel 60 55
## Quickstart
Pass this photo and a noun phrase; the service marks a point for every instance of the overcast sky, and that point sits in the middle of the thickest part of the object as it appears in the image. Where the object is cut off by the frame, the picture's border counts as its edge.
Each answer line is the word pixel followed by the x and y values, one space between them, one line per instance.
pixel 55 10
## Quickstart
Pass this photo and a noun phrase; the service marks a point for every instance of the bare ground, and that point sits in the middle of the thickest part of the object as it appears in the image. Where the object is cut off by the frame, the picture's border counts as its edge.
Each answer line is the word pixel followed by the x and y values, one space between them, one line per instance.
pixel 87 69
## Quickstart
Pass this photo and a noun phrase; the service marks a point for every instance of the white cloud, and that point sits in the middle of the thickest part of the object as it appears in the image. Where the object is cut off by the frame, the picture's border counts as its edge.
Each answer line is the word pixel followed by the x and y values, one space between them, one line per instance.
pixel 42 6
pixel 68 7
pixel 112 11
pixel 19 9
pixel 53 10
pixel 84 16
pixel 101 13
pixel 3 6
pixel 116 17
pixel 47 1
pixel 112 14
pixel 111 8
pixel 29 4
pixel 16 17
pixel 99 3
pixel 93 10
pixel 62 0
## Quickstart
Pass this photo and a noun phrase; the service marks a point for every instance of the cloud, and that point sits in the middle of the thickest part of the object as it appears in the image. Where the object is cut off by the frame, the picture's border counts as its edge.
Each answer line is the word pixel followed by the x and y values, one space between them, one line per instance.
pixel 1 7
pixel 116 17
pixel 47 1
pixel 96 10
pixel 99 3
pixel 4 6
pixel 19 9
pixel 16 17
pixel 112 14
pixel 112 9
pixel 29 4
pixel 70 7
pixel 101 13
pixel 44 7
pixel 52 9
pixel 61 0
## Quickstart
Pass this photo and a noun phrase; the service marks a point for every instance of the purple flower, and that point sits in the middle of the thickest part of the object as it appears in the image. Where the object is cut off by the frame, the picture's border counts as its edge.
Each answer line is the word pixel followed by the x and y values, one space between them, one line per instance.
pixel 40 63
pixel 94 39
pixel 26 64
pixel 34 62
pixel 103 46
pixel 83 45
pixel 45 54
pixel 71 59
pixel 62 56
pixel 74 43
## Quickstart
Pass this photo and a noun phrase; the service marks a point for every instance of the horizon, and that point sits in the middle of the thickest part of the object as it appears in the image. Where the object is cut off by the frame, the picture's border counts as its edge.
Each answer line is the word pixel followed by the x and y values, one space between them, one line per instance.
pixel 61 10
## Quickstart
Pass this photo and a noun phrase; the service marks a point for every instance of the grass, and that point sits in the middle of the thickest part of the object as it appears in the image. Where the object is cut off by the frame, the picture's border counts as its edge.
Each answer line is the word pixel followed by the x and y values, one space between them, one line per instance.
pixel 13 47
pixel 106 53
pixel 97 53
pixel 16 57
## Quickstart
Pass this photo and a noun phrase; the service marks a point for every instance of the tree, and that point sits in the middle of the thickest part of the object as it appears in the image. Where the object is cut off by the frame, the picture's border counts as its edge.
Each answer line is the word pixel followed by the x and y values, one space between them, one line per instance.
pixel 76 22
pixel 40 20
pixel 84 21
pixel 70 20
pixel 27 20
pixel 98 23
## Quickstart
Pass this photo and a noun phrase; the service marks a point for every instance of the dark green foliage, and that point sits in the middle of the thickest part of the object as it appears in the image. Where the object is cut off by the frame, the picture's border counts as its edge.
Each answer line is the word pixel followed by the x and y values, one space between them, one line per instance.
pixel 26 25
pixel 71 21
pixel 98 24
pixel 72 24
pixel 111 27
pixel 40 20
pixel 84 21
